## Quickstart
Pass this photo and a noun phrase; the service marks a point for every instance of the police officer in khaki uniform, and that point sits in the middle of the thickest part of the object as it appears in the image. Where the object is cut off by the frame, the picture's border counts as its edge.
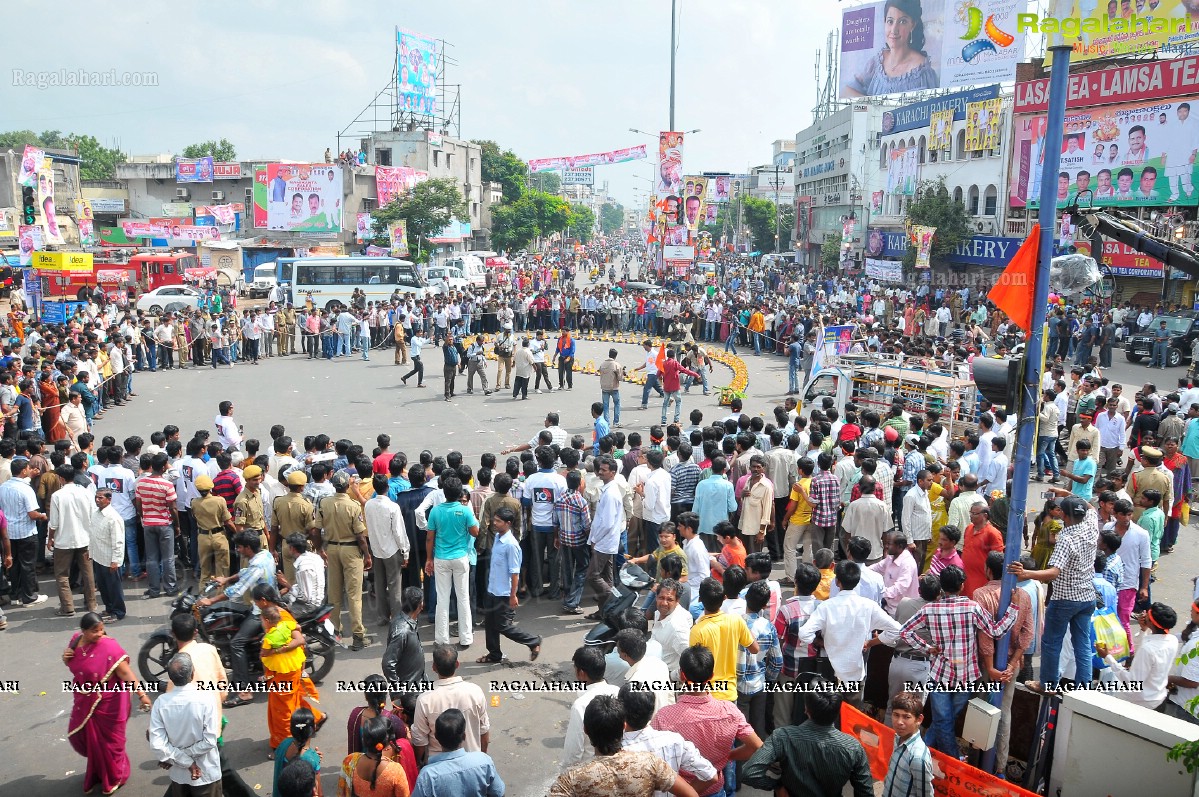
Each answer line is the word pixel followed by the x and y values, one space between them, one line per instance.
pixel 290 514
pixel 285 327
pixel 347 554
pixel 213 519
pixel 249 514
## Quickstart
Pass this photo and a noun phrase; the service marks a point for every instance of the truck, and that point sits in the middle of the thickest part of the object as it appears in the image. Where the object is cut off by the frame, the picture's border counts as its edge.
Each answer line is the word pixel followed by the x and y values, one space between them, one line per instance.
pixel 265 279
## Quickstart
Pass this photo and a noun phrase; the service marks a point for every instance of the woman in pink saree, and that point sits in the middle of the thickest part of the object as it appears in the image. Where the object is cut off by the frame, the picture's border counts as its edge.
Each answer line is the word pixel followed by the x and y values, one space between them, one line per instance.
pixel 102 680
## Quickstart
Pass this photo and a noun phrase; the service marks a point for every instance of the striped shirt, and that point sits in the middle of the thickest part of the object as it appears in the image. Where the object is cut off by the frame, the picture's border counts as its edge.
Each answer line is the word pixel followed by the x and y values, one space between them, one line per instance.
pixel 825 496
pixel 755 669
pixel 792 615
pixel 572 519
pixel 227 485
pixel 683 480
pixel 910 773
pixel 156 495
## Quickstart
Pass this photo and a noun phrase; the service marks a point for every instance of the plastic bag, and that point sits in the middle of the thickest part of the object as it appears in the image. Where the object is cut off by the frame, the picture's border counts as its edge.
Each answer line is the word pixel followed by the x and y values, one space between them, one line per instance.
pixel 1072 274
pixel 1108 630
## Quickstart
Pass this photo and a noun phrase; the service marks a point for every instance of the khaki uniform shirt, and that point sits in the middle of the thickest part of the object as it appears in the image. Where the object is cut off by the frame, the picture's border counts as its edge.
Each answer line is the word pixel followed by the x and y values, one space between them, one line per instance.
pixel 211 513
pixel 248 511
pixel 292 513
pixel 341 518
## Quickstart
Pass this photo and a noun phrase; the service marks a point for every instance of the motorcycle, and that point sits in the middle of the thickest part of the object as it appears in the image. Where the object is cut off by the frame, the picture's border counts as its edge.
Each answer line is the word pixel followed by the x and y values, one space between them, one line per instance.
pixel 219 623
pixel 594 275
pixel 625 593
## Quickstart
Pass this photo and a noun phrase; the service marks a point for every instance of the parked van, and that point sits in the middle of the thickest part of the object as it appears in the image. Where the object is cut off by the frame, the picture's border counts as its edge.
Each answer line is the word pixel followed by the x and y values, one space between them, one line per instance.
pixel 472 269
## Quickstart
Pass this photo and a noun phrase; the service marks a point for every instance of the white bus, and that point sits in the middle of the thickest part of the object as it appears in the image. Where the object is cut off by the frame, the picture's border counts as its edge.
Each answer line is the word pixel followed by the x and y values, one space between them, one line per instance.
pixel 331 280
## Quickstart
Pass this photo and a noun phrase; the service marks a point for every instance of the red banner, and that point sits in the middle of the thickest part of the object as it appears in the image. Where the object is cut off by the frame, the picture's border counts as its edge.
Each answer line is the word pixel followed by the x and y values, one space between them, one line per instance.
pixel 951 778
pixel 1150 80
pixel 230 170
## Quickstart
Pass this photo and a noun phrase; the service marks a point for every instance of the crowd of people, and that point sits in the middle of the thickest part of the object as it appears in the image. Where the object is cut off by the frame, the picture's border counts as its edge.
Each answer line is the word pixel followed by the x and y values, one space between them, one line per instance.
pixel 797 559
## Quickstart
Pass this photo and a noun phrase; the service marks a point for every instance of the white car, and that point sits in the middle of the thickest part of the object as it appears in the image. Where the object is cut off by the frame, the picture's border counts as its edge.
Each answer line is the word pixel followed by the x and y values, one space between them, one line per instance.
pixel 443 279
pixel 161 299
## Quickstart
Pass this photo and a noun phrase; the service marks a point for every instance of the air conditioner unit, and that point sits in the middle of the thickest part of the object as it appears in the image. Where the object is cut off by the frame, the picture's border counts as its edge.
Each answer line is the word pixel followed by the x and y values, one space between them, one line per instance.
pixel 985 226
pixel 183 193
pixel 218 196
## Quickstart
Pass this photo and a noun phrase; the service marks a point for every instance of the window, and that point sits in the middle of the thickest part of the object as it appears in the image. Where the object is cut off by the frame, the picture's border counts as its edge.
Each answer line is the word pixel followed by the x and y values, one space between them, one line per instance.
pixel 990 201
pixel 957 194
pixel 922 145
pixel 961 145
pixel 383 156
pixel 448 156
pixel 972 201
pixel 369 204
pixel 436 157
pixel 474 209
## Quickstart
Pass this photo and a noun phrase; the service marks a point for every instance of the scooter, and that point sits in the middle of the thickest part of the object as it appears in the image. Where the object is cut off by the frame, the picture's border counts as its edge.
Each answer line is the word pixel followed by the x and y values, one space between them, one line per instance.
pixel 219 623
pixel 625 593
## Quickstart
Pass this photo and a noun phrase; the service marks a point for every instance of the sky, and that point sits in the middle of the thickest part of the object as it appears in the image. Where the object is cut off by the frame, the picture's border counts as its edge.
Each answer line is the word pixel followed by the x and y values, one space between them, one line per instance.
pixel 543 78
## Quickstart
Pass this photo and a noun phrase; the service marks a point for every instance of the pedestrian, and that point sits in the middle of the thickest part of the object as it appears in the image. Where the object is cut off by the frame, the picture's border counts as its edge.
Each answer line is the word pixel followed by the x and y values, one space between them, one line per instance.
pixel 670 373
pixel 106 546
pixel 455 771
pixel 910 771
pixel 611 374
pixel 449 691
pixel 451 528
pixel 403 660
pixel 650 366
pixel 476 360
pixel 348 554
pixel 186 719
pixel 389 545
pixel 502 588
pixel 607 525
pixel 449 370
pixel 71 512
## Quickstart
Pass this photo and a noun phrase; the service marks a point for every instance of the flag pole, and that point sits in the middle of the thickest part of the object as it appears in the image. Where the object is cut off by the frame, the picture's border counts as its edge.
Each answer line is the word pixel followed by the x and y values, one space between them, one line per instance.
pixel 1034 351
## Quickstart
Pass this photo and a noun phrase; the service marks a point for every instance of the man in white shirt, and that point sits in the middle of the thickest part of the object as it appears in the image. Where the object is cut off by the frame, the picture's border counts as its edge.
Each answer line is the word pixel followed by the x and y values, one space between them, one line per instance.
pixel 871 584
pixel 71 511
pixel 917 516
pixel 106 547
pixel 993 478
pixel 1113 432
pixel 680 754
pixel 589 669
pixel 655 494
pixel 647 671
pixel 388 538
pixel 228 432
pixel 672 625
pixel 606 527
pixel 184 726
pixel 308 588
pixel 699 561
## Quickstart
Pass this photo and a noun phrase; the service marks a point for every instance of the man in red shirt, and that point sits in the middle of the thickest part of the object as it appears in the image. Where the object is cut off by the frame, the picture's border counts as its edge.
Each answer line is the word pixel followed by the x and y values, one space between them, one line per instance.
pixel 979 540
pixel 380 464
pixel 671 384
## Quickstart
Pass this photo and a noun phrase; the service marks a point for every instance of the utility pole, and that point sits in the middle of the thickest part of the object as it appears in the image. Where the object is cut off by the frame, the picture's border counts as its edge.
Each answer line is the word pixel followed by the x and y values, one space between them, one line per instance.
pixel 778 216
pixel 673 20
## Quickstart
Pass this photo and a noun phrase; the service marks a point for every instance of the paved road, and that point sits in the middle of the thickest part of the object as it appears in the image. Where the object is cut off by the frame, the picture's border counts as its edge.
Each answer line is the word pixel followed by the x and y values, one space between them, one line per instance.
pixel 354 399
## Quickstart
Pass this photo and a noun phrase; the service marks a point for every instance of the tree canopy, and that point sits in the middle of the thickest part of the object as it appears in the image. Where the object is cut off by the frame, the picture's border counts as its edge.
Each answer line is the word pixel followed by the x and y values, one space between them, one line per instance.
pixel 96 161
pixel 222 150
pixel 514 225
pixel 611 217
pixel 759 216
pixel 503 167
pixel 427 209
pixel 934 208
pixel 582 222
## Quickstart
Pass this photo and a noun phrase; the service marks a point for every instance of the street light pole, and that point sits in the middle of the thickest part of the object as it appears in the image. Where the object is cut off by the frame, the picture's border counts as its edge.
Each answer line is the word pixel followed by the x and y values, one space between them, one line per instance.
pixel 777 214
pixel 673 18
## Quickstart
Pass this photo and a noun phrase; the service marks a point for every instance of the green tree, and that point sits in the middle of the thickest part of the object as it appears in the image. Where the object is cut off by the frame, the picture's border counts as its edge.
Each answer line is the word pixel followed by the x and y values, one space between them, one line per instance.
pixel 549 182
pixel 759 216
pixel 16 140
pixel 503 167
pixel 934 208
pixel 553 212
pixel 787 227
pixel 427 209
pixel 514 225
pixel 582 222
pixel 222 150
pixel 830 251
pixel 96 161
pixel 611 217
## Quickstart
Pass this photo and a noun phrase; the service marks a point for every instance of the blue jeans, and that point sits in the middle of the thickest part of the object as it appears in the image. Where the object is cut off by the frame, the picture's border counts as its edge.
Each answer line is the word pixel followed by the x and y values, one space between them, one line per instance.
pixel 343 344
pixel 160 559
pixel 730 343
pixel 651 383
pixel 1060 615
pixel 614 396
pixel 793 374
pixel 677 398
pixel 574 563
pixel 1160 354
pixel 364 343
pixel 710 330
pixel 136 565
pixel 1047 455
pixel 757 337
pixel 946 706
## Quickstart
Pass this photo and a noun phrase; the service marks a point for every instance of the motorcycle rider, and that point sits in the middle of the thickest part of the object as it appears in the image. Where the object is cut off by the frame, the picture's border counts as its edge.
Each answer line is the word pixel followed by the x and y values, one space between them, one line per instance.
pixel 259 569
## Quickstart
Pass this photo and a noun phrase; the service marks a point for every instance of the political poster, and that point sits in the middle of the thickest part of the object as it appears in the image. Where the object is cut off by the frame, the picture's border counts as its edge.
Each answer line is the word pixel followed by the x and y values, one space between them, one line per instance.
pixel 584 175
pixel 638 152
pixel 45 201
pixel 170 228
pixel 876 201
pixel 363 228
pixel 903 172
pixel 884 270
pixel 924 243
pixel 711 212
pixel 940 130
pixel 676 235
pixel 831 342
pixel 392 182
pixel 670 163
pixel 31 161
pixel 194 170
pixel 83 209
pixel 87 232
pixel 399 237
pixel 224 214
pixel 30 240
pixel 692 211
pixel 304 197
pixel 696 186
pixel 1096 30
pixel 905 46
pixel 418 74
pixel 721 188
pixel 982 124
pixel 1135 154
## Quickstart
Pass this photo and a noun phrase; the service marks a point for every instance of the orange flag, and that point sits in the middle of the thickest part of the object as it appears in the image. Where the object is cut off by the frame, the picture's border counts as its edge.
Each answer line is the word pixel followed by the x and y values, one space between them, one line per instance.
pixel 1013 293
pixel 661 361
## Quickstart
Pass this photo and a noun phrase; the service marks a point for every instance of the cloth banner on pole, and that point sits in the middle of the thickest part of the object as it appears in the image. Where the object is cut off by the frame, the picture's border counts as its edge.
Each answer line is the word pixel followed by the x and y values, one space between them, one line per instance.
pixel 924 243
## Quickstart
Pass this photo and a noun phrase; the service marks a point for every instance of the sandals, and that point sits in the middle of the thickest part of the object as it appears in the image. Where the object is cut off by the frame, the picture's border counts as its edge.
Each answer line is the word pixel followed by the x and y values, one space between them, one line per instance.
pixel 237 700
pixel 534 652
pixel 488 660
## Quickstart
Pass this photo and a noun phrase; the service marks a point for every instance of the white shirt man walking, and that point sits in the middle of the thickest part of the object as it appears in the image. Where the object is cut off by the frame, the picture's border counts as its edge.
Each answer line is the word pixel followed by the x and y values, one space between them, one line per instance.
pixel 184 725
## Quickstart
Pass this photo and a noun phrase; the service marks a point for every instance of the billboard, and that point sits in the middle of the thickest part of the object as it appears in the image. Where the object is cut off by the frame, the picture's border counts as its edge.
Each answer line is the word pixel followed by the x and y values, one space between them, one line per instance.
pixel 594 159
pixel 670 163
pixel 62 261
pixel 398 230
pixel 904 46
pixel 226 170
pixel 1133 155
pixel 884 270
pixel 45 202
pixel 303 197
pixel 722 188
pixel 982 125
pixel 674 252
pixel 940 130
pixel 584 175
pixel 173 229
pixel 194 170
pixel 31 161
pixel 418 71
pixel 363 228
pixel 30 238
pixel 903 172
pixel 393 181
pixel 696 186
pixel 919 114
pixel 1095 30
pixel 1146 80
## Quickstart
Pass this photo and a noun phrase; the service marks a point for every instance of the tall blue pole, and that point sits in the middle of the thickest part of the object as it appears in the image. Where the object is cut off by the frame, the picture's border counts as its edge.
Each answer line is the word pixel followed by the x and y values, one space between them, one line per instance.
pixel 1034 352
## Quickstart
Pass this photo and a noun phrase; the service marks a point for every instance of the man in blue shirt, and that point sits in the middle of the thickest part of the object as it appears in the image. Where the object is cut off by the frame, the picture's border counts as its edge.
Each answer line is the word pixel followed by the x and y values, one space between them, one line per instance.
pixel 601 426
pixel 502 581
pixel 454 770
pixel 715 501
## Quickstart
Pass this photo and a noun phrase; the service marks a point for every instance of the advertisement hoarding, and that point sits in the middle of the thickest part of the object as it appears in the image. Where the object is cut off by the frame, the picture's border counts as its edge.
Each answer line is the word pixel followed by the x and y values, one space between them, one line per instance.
pixel 678 253
pixel 1130 155
pixel 226 170
pixel 193 170
pixel 983 122
pixel 670 163
pixel 903 172
pixel 62 261
pixel 399 237
pixel 304 197
pixel 107 205
pixel 722 188
pixel 393 181
pixel 31 161
pixel 1095 31
pixel 419 60
pixel 584 175
pixel 45 201
pixel 1146 80
pixel 927 46
pixel 173 229
pixel 594 159
pixel 940 130
pixel 884 270
pixel 919 114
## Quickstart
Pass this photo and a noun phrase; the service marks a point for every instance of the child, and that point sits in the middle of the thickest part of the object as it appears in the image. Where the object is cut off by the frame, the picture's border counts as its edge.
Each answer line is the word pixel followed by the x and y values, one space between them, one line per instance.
pixel 947 550
pixel 1045 530
pixel 911 762
pixel 823 559
pixel 667 545
pixel 277 651
pixel 735 581
pixel 1153 520
pixel 732 550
